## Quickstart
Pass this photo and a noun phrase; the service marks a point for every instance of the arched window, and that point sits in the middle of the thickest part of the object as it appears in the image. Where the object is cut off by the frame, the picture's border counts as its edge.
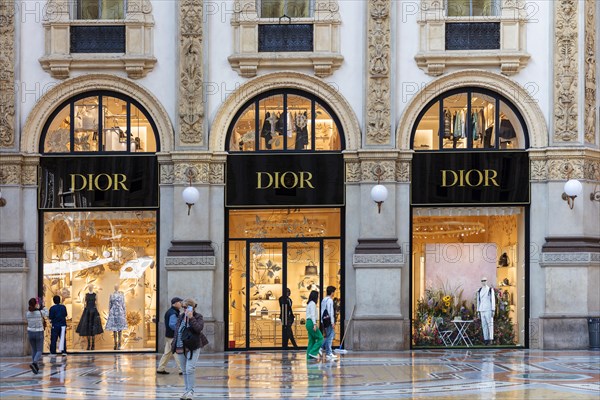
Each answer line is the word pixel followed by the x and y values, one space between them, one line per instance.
pixel 469 119
pixel 94 122
pixel 285 120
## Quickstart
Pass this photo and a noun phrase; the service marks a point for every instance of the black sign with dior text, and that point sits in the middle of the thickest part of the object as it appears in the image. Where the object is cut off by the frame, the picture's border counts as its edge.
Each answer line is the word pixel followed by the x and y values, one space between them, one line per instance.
pixel 470 178
pixel 285 180
pixel 98 182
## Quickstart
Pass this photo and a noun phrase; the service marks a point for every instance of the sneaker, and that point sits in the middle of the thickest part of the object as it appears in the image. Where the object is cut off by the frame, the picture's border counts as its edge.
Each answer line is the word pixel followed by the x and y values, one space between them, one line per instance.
pixel 185 396
pixel 320 352
pixel 313 356
pixel 33 368
pixel 162 372
pixel 331 357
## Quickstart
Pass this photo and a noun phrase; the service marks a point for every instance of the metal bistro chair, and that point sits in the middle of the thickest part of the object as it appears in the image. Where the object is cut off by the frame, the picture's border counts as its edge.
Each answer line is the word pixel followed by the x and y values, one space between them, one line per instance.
pixel 444 333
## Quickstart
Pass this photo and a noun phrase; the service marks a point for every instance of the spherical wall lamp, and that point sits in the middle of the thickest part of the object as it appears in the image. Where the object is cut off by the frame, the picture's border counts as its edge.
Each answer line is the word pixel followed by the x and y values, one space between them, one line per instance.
pixel 379 193
pixel 190 194
pixel 572 189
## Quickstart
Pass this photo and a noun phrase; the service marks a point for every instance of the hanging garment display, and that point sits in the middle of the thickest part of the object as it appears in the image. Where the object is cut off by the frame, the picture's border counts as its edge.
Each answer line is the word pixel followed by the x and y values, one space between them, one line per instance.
pixel 268 129
pixel 447 124
pixel 506 130
pixel 301 131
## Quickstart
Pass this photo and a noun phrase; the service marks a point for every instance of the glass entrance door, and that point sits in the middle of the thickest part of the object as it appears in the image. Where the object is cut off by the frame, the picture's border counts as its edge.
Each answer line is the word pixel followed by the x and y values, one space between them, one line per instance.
pixel 269 252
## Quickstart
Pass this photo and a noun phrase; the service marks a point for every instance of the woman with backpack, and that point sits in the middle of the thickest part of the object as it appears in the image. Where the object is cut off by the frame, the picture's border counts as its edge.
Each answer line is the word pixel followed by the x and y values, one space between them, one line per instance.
pixel 187 342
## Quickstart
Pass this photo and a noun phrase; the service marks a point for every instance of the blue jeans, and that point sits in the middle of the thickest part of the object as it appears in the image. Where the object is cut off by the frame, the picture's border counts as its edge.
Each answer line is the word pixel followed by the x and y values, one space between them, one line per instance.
pixel 188 367
pixel 329 335
pixel 36 341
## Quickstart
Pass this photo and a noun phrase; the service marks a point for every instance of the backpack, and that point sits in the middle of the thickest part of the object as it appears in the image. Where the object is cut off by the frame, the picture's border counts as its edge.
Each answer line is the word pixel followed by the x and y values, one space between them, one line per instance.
pixel 325 319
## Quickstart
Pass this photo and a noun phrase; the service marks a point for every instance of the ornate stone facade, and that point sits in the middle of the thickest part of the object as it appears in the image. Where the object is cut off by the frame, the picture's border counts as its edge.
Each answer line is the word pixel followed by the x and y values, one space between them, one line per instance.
pixel 7 74
pixel 16 169
pixel 137 61
pixel 562 164
pixel 191 103
pixel 324 58
pixel 590 121
pixel 379 129
pixel 511 57
pixel 565 71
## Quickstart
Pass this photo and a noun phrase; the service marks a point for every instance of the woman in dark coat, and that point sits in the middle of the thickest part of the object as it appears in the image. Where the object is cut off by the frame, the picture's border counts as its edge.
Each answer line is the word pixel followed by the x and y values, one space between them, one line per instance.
pixel 188 353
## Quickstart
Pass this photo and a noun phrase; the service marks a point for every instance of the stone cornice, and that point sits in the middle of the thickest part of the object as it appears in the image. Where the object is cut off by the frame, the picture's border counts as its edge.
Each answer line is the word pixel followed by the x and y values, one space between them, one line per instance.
pixel 581 259
pixel 378 260
pixel 560 163
pixel 12 265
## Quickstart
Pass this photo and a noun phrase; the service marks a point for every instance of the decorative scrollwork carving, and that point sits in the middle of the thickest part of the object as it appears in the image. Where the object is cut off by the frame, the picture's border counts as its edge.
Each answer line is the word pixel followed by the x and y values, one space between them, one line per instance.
pixel 590 122
pixel 7 74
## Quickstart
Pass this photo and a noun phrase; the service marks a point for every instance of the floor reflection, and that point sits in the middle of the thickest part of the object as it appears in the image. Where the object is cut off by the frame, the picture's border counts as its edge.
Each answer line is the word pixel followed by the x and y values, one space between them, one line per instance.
pixel 441 374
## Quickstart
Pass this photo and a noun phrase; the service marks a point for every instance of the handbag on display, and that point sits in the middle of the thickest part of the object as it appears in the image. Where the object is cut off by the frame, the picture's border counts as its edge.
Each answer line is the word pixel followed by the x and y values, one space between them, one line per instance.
pixel 264 312
pixel 277 280
pixel 270 296
pixel 503 260
pixel 310 269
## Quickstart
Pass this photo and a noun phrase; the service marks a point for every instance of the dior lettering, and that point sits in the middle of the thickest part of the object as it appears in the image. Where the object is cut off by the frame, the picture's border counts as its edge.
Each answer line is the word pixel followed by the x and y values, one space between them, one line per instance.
pixel 285 180
pixel 101 182
pixel 471 177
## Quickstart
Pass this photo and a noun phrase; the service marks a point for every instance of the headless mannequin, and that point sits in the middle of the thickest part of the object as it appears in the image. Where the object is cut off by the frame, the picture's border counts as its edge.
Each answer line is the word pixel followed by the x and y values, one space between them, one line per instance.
pixel 91 339
pixel 117 335
pixel 486 305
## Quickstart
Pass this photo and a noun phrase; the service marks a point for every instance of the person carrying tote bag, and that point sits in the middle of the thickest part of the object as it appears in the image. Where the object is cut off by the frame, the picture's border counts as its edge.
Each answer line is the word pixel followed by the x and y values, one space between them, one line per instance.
pixel 187 342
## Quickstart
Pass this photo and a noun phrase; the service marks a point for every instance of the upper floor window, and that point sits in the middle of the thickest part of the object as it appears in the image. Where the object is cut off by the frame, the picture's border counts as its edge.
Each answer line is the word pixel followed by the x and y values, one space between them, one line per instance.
pixel 287 120
pixel 469 119
pixel 288 8
pixel 472 8
pixel 99 122
pixel 99 9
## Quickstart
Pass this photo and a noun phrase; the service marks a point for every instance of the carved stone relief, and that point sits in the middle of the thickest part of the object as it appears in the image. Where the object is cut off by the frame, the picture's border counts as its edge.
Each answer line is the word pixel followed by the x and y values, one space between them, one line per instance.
pixel 378 82
pixel 590 123
pixel 403 171
pixel 10 174
pixel 565 71
pixel 217 173
pixel 167 174
pixel 200 172
pixel 369 170
pixel 191 106
pixel 7 74
pixel 353 172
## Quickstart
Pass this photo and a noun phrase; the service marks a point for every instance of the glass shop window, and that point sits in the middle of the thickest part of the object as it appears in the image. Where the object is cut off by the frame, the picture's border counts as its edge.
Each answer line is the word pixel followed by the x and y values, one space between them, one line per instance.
pixel 102 265
pixel 100 124
pixel 285 122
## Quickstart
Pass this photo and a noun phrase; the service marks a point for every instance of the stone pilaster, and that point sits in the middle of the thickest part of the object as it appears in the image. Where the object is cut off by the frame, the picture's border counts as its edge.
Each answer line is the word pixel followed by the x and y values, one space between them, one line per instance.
pixel 378 118
pixel 191 100
pixel 378 323
pixel 566 63
pixel 591 118
pixel 13 279
pixel 7 74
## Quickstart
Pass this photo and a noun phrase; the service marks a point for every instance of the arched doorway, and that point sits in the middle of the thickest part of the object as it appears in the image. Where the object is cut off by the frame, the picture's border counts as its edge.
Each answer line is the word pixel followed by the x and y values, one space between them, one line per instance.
pixel 284 213
pixel 98 219
pixel 469 221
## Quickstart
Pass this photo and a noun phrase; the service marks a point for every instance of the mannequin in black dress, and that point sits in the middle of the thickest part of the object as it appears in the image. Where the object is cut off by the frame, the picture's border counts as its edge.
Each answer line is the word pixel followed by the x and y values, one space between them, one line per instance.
pixel 90 324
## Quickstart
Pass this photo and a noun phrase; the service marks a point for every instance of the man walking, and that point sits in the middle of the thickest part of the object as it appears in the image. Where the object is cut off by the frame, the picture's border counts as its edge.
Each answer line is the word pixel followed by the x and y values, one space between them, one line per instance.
pixel 170 323
pixel 287 319
pixel 328 322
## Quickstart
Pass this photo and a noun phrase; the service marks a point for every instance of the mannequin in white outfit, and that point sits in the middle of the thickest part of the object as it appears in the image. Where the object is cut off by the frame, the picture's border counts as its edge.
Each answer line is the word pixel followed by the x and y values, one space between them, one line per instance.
pixel 486 305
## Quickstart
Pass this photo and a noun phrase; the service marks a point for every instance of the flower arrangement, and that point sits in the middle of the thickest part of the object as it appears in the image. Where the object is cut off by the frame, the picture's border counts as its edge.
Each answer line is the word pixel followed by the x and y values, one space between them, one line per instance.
pixel 447 303
pixel 133 318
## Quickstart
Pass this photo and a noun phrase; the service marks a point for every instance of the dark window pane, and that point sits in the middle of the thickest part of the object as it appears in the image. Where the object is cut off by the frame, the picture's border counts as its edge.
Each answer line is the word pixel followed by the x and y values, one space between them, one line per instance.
pixel 285 37
pixel 472 36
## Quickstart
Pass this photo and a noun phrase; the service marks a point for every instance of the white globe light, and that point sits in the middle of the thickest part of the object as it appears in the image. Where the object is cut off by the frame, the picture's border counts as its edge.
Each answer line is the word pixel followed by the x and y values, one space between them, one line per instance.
pixel 191 195
pixel 106 254
pixel 379 193
pixel 573 187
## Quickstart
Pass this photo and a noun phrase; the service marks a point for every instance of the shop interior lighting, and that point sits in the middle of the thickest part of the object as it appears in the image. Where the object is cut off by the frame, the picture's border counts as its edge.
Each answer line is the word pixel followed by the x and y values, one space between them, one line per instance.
pixel 190 194
pixel 451 229
pixel 572 189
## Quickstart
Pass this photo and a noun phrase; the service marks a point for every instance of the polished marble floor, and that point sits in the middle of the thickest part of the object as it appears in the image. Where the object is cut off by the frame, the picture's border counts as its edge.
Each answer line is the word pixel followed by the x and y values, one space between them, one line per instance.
pixel 439 374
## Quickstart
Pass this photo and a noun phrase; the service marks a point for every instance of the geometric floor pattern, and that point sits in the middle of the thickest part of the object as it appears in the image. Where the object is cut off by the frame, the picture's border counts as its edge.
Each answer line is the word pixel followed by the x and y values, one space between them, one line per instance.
pixel 419 374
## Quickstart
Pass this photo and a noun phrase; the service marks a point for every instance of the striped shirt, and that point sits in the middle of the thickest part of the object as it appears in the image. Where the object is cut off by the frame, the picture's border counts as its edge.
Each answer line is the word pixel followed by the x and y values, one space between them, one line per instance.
pixel 34 320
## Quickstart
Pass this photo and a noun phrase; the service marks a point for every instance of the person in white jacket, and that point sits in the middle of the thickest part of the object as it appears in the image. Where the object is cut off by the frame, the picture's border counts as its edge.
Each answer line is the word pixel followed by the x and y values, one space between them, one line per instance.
pixel 329 331
pixel 486 305
pixel 315 338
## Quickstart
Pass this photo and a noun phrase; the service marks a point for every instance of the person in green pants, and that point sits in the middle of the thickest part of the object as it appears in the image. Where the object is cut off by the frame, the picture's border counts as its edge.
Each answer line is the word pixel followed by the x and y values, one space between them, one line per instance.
pixel 315 338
